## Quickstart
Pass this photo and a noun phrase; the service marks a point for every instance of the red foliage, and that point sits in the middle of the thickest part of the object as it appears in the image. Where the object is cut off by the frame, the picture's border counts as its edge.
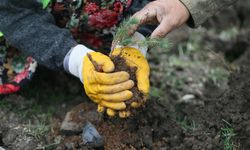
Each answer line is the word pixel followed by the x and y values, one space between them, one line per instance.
pixel 118 7
pixel 91 8
pixel 92 40
pixel 103 19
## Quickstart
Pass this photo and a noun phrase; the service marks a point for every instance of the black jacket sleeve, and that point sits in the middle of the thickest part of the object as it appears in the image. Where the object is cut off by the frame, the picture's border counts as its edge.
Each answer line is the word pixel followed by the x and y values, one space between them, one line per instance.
pixel 32 30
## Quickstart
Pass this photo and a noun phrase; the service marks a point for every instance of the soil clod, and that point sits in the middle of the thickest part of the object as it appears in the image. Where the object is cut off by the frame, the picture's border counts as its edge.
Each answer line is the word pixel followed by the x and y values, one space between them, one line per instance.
pixel 120 65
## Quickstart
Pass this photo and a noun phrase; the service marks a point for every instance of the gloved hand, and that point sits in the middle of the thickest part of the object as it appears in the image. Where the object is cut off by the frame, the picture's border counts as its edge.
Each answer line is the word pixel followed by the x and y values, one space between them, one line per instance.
pixel 135 57
pixel 103 87
pixel 107 89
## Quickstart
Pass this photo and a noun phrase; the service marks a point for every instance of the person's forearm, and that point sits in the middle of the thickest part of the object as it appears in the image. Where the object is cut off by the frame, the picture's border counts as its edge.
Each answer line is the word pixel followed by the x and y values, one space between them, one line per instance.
pixel 31 29
pixel 201 10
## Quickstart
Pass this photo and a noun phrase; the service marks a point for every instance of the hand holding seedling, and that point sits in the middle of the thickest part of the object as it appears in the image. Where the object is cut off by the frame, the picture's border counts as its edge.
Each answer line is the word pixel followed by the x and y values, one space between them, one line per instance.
pixel 105 88
pixel 170 14
pixel 109 84
pixel 129 54
pixel 131 60
pixel 134 58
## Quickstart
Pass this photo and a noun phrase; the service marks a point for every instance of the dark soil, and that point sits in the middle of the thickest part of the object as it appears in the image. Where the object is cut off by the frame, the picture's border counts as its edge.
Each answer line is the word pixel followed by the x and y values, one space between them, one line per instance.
pixel 232 106
pixel 155 127
pixel 158 125
pixel 120 65
pixel 163 123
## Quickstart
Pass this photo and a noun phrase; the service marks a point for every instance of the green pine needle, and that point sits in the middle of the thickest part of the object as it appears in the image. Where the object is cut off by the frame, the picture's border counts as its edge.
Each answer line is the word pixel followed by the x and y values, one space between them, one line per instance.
pixel 123 31
pixel 122 37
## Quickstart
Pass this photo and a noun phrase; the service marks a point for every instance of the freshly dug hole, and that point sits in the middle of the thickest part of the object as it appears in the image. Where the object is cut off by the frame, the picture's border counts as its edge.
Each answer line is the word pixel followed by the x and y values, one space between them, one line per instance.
pixel 120 65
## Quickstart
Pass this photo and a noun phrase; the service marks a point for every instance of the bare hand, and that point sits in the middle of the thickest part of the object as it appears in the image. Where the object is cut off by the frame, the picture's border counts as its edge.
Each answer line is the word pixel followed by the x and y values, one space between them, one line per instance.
pixel 169 14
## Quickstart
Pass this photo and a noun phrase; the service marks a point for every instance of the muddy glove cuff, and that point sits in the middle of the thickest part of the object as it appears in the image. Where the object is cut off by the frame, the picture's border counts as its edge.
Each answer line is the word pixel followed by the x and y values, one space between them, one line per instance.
pixel 73 61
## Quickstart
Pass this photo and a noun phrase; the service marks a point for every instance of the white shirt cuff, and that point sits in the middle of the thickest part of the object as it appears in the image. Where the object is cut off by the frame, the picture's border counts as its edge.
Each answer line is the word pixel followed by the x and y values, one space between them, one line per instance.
pixel 73 61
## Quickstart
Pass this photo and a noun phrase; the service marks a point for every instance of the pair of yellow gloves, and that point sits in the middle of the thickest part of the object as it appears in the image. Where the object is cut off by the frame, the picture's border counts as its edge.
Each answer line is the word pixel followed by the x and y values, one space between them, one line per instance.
pixel 111 89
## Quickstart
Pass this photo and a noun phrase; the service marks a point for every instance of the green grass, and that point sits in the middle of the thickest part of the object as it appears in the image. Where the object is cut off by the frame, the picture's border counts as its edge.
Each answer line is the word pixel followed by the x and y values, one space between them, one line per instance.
pixel 155 92
pixel 228 134
pixel 192 45
pixel 216 75
pixel 186 125
pixel 50 146
pixel 4 105
pixel 38 130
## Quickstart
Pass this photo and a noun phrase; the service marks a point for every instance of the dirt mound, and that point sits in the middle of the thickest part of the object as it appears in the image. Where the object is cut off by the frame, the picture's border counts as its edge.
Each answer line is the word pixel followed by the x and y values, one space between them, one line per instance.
pixel 232 107
pixel 120 65
pixel 155 126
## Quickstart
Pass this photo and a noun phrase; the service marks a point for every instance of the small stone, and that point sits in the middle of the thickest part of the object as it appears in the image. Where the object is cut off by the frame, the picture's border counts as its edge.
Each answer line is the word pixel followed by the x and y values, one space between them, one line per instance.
pixel 91 136
pixel 1 148
pixel 186 98
pixel 70 127
pixel 77 118
pixel 11 135
pixel 63 105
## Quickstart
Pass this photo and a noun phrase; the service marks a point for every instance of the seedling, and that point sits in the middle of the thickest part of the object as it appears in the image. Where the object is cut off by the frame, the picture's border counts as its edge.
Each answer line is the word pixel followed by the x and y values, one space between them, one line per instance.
pixel 124 39
pixel 188 126
pixel 227 134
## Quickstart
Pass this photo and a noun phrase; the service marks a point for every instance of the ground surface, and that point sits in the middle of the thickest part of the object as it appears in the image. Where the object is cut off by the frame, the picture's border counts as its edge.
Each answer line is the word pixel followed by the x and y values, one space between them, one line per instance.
pixel 198 99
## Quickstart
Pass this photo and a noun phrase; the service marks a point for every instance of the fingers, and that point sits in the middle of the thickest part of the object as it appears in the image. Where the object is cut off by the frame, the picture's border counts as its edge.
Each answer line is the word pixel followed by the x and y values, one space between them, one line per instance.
pixel 111 112
pixel 145 16
pixel 163 29
pixel 103 61
pixel 143 84
pixel 100 108
pixel 169 15
pixel 110 89
pixel 116 97
pixel 142 76
pixel 111 78
pixel 124 114
pixel 114 106
pixel 135 104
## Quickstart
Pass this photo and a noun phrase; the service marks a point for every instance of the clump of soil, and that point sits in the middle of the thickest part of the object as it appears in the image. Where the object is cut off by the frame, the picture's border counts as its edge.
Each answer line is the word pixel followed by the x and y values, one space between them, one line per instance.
pixel 232 106
pixel 155 126
pixel 120 65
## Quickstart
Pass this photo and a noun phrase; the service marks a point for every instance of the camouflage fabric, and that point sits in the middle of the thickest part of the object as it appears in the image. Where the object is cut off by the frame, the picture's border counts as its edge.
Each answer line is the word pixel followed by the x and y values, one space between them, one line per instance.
pixel 201 10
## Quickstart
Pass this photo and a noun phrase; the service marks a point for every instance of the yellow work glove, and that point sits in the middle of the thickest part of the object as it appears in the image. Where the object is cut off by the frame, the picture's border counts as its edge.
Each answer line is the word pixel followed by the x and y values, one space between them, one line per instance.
pixel 105 88
pixel 109 90
pixel 134 57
